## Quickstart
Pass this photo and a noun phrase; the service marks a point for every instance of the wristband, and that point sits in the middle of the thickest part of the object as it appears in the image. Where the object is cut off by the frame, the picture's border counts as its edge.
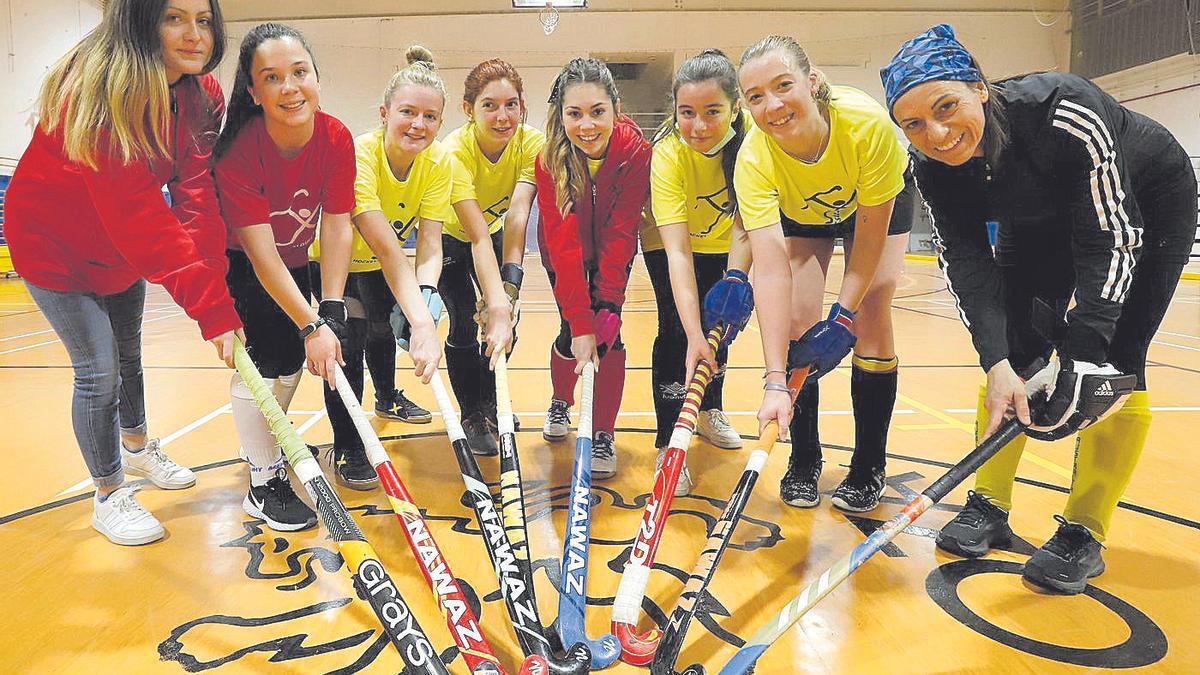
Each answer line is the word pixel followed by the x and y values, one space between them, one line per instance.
pixel 768 371
pixel 777 386
pixel 312 327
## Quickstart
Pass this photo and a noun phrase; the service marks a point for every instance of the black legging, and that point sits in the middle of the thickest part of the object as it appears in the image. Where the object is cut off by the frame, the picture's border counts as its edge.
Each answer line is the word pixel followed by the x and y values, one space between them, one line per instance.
pixel 370 337
pixel 667 359
pixel 473 382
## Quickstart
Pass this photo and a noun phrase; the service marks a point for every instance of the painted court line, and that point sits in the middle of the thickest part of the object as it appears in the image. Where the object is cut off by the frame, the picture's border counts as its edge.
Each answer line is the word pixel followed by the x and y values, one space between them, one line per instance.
pixel 166 440
pixel 51 342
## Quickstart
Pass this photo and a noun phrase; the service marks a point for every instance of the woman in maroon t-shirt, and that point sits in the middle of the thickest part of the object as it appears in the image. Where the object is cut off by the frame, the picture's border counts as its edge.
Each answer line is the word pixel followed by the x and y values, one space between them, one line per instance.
pixel 86 225
pixel 282 166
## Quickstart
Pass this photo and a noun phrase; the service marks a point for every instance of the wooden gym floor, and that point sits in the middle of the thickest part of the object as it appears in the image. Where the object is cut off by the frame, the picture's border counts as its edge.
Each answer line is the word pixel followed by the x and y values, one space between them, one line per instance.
pixel 222 593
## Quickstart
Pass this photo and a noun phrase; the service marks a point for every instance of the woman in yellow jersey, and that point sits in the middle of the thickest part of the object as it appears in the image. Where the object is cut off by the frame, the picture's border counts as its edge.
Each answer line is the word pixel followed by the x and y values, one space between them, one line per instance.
pixel 492 193
pixel 824 162
pixel 691 173
pixel 402 183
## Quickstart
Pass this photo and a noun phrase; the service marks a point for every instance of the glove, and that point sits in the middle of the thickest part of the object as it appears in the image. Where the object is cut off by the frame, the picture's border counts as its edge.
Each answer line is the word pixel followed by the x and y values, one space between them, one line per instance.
pixel 336 315
pixel 607 324
pixel 729 303
pixel 1067 396
pixel 823 346
pixel 400 326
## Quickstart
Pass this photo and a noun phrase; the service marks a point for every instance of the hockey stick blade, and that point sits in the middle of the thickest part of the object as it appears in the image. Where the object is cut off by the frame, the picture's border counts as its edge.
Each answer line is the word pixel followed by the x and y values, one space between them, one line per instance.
pixel 460 619
pixel 518 600
pixel 512 498
pixel 718 541
pixel 572 597
pixel 371 580
pixel 744 659
pixel 638 648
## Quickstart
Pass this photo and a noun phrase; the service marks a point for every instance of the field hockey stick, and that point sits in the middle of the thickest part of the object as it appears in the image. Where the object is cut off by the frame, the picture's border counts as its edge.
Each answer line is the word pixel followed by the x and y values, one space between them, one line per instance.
pixel 512 504
pixel 572 597
pixel 518 596
pixel 743 660
pixel 638 648
pixel 462 622
pixel 370 578
pixel 718 542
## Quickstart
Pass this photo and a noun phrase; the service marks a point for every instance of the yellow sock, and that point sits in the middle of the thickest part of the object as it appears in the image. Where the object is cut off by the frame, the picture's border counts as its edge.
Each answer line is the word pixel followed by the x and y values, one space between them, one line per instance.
pixel 1105 455
pixel 994 479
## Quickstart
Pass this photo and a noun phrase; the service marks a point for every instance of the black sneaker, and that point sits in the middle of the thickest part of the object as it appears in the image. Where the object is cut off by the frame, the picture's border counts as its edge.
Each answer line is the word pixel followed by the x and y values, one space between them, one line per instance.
pixel 860 491
pixel 479 434
pixel 352 470
pixel 1067 561
pixel 397 406
pixel 799 485
pixel 978 528
pixel 278 506
pixel 493 422
pixel 558 421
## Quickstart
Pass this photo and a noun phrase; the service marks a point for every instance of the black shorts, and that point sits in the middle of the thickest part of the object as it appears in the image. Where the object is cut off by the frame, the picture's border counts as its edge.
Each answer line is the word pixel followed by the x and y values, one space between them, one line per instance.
pixel 272 340
pixel 901 222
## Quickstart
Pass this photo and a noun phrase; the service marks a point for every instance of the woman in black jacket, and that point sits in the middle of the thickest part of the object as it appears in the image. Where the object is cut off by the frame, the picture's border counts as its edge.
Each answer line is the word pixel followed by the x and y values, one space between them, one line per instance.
pixel 1092 203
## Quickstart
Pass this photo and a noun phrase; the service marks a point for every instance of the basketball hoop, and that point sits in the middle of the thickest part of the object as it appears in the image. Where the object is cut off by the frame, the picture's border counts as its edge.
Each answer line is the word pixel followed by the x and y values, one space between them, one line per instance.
pixel 548 17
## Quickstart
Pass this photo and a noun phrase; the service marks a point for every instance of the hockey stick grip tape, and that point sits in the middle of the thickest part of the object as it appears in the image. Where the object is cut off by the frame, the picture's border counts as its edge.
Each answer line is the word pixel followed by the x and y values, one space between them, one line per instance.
pixel 586 395
pixel 628 603
pixel 294 449
pixel 376 455
pixel 453 425
pixel 504 416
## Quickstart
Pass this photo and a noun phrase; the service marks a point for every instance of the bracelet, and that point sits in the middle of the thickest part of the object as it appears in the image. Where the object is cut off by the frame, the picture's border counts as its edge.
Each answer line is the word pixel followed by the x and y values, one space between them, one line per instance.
pixel 773 370
pixel 777 386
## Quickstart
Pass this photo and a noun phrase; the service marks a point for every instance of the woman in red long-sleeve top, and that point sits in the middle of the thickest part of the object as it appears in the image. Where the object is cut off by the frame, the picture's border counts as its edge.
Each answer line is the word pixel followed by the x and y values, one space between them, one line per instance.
pixel 593 177
pixel 129 109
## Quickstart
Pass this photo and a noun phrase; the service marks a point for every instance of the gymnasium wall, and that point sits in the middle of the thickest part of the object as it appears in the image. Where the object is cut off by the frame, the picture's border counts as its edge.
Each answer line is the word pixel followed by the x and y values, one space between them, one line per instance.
pixel 357 55
pixel 34 34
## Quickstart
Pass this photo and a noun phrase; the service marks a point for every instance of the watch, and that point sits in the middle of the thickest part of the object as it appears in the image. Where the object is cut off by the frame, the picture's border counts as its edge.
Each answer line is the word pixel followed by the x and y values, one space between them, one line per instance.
pixel 312 327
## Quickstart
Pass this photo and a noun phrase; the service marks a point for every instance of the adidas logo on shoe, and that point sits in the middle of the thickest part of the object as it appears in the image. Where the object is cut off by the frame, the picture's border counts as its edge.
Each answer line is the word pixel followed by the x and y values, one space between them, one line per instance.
pixel 1105 389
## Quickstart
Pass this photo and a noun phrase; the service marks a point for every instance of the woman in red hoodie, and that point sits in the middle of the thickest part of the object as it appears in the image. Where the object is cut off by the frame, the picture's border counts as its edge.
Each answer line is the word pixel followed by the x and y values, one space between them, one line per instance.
pixel 593 177
pixel 128 109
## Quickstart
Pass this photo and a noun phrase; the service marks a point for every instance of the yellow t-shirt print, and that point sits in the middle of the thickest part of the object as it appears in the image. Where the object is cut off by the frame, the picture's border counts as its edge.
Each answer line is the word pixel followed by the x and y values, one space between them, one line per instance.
pixel 424 192
pixel 489 183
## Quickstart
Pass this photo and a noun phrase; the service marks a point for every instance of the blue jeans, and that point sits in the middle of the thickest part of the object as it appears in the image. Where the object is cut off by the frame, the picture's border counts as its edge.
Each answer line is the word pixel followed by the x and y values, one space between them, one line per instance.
pixel 103 336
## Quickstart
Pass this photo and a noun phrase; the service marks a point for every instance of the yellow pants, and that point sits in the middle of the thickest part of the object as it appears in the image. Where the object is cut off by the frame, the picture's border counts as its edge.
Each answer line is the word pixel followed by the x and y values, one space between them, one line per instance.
pixel 1105 456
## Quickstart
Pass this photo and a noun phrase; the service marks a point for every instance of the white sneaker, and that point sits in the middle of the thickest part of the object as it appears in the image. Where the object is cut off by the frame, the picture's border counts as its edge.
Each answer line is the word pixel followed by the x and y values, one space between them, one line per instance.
pixel 604 456
pixel 684 486
pixel 714 427
pixel 153 464
pixel 123 520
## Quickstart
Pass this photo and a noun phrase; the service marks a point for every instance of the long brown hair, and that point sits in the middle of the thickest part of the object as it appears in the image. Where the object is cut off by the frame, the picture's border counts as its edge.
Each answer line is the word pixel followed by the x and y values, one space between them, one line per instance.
pixel 114 81
pixel 562 160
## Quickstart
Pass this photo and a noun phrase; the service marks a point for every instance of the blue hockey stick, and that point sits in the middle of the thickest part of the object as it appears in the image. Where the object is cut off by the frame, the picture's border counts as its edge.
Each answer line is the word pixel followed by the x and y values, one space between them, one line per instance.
pixel 572 598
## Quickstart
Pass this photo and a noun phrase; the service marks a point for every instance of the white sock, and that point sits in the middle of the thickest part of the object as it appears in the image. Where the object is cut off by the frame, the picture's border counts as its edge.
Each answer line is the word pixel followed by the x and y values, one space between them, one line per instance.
pixel 285 388
pixel 258 442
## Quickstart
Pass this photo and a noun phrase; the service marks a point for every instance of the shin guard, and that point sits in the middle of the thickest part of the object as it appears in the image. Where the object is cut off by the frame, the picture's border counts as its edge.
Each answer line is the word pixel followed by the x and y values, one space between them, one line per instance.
pixel 873 397
pixel 1105 456
pixel 563 377
pixel 610 383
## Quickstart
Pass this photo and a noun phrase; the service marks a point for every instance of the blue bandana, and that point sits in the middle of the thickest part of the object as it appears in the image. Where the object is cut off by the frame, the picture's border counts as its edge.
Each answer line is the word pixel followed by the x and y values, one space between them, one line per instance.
pixel 933 55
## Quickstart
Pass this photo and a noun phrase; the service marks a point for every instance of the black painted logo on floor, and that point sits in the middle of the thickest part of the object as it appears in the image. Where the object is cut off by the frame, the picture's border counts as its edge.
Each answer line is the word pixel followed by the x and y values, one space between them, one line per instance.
pixel 276 558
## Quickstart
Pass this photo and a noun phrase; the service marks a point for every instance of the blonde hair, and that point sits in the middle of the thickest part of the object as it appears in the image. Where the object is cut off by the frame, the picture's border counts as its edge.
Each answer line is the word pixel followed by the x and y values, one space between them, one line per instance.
pixel 562 160
pixel 114 82
pixel 421 71
pixel 798 59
